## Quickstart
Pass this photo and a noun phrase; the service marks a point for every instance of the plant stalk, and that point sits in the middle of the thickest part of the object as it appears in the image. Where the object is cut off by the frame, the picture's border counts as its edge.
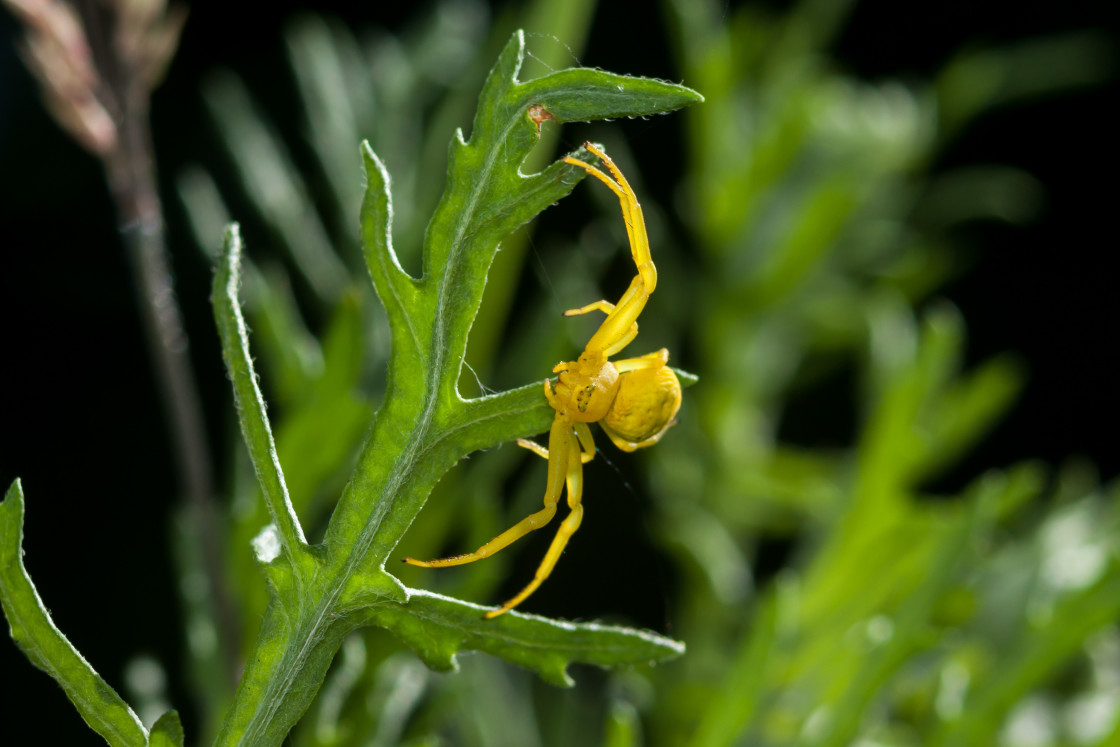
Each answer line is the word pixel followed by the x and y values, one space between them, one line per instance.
pixel 131 173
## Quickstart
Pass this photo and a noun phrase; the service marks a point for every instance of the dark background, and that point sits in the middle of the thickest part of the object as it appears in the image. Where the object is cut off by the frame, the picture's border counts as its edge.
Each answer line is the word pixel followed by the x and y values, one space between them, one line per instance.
pixel 81 425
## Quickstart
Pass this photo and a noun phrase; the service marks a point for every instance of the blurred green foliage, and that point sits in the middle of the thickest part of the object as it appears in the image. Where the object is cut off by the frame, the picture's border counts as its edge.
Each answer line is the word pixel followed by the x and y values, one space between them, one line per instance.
pixel 816 238
pixel 899 617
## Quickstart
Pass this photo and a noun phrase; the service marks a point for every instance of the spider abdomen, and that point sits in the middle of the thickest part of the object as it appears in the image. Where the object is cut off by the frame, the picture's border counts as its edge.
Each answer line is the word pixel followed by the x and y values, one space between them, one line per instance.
pixel 644 406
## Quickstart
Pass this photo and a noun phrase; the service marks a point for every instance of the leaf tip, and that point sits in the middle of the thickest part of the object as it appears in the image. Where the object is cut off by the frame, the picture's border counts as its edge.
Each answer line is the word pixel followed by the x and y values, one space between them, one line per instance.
pixel 229 262
pixel 15 492
pixel 563 679
pixel 11 519
pixel 689 93
pixel 687 378
pixel 370 159
pixel 509 62
pixel 167 731
pixel 231 244
pixel 556 673
pixel 437 659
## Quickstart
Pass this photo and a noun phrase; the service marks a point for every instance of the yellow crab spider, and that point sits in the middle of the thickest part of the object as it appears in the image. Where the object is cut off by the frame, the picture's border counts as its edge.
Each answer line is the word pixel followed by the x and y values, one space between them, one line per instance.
pixel 634 400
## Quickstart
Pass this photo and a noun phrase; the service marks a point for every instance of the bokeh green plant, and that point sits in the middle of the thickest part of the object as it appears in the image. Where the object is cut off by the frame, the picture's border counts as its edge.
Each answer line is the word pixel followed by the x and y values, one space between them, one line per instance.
pixel 814 245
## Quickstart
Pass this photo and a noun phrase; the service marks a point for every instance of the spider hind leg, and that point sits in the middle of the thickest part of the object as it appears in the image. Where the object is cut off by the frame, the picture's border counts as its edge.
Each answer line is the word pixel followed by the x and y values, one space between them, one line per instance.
pixel 562 443
pixel 567 528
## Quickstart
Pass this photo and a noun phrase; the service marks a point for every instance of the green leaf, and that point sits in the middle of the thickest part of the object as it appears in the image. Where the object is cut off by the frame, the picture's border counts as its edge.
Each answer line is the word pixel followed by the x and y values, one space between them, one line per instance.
pixel 423 426
pixel 167 731
pixel 247 395
pixel 438 627
pixel 47 648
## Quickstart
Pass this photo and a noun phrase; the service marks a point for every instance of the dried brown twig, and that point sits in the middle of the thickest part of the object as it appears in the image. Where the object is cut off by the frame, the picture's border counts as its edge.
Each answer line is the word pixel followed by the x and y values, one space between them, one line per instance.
pixel 97 69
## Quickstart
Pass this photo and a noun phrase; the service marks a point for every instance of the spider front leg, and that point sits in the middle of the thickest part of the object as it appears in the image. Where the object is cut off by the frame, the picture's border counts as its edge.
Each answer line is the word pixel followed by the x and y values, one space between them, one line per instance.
pixel 631 211
pixel 620 326
pixel 561 442
pixel 619 339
